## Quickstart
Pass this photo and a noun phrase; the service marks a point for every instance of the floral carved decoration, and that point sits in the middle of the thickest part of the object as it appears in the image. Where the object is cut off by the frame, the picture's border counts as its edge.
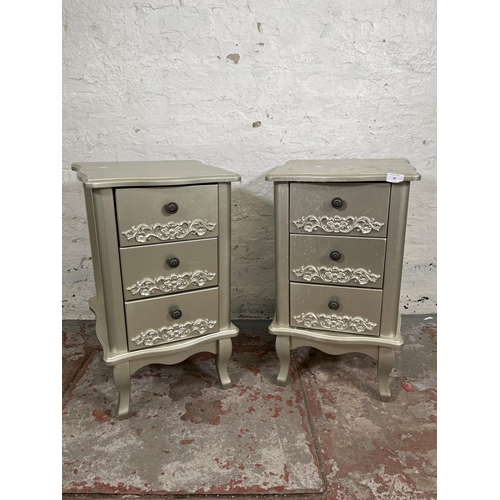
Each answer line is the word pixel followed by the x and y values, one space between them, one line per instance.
pixel 169 231
pixel 175 332
pixel 333 322
pixel 336 275
pixel 337 224
pixel 172 283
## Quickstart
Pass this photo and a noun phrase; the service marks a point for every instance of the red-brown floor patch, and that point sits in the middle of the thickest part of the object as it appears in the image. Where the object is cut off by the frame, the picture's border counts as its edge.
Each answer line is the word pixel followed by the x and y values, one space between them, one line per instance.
pixel 325 434
pixel 79 341
pixel 187 435
pixel 371 449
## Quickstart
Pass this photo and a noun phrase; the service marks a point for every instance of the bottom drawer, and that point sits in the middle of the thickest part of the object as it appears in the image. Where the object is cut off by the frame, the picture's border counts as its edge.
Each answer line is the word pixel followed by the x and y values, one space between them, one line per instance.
pixel 358 310
pixel 152 322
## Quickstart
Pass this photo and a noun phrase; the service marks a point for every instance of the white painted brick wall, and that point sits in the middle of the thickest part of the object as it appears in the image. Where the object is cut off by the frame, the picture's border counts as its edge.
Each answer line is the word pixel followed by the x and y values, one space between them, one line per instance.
pixel 185 79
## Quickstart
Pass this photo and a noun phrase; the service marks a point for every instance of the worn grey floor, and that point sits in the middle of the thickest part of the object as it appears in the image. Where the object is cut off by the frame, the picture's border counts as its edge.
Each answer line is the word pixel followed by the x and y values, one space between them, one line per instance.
pixel 326 435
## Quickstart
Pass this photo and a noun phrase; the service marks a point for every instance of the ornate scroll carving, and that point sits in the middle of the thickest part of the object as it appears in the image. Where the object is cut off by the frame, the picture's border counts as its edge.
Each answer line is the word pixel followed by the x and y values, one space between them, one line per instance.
pixel 338 224
pixel 172 283
pixel 333 322
pixel 175 332
pixel 336 275
pixel 169 231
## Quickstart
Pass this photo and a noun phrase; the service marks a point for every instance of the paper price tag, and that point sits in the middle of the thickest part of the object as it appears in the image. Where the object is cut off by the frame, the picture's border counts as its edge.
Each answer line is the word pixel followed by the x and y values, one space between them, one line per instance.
pixel 395 178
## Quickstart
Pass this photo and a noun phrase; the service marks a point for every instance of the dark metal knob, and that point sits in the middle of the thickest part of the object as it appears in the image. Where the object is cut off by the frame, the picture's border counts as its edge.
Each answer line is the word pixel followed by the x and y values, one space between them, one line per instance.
pixel 335 255
pixel 333 305
pixel 173 262
pixel 176 314
pixel 337 202
pixel 171 207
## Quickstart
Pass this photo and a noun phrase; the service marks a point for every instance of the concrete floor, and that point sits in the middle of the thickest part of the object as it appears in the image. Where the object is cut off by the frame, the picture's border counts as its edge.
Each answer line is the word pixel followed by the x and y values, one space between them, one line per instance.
pixel 326 435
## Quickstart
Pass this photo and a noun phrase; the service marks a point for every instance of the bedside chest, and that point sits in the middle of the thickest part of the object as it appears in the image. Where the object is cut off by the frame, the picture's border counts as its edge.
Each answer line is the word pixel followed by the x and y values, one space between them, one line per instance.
pixel 339 240
pixel 161 252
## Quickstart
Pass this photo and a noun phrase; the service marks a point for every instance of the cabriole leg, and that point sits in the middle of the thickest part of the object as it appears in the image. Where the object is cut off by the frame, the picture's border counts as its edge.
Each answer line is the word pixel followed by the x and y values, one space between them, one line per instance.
pixel 283 351
pixel 224 350
pixel 384 366
pixel 121 375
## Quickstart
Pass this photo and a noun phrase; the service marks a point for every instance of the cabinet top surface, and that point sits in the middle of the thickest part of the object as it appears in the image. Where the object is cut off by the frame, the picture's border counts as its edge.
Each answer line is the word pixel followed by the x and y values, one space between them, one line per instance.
pixel 359 170
pixel 149 173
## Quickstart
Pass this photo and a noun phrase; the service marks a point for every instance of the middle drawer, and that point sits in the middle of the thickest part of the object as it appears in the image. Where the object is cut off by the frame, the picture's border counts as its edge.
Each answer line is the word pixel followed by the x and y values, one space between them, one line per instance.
pixel 150 271
pixel 337 260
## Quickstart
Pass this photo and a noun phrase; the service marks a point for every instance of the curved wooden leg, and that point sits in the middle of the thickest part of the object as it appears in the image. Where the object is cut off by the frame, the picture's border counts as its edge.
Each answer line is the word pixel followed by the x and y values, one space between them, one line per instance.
pixel 283 351
pixel 385 364
pixel 224 350
pixel 121 375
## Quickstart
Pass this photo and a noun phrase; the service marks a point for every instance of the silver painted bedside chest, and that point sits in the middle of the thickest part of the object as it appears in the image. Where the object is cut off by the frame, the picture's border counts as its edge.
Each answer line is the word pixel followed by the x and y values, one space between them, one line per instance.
pixel 339 241
pixel 160 242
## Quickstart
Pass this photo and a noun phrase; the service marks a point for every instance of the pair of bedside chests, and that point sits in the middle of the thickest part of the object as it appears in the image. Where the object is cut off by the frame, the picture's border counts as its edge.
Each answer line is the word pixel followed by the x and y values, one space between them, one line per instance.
pixel 160 236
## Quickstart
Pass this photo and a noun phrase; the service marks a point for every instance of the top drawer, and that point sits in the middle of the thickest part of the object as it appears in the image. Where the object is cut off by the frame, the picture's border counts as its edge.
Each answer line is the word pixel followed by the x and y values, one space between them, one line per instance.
pixel 155 215
pixel 353 209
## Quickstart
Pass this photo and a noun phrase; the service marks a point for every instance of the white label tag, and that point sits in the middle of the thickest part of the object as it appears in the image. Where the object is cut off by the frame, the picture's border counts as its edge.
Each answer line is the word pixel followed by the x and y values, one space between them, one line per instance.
pixel 395 178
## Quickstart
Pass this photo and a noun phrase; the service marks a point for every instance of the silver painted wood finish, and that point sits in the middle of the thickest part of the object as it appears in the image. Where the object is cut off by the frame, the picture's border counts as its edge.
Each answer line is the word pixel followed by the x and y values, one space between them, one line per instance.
pixel 361 261
pixel 346 340
pixel 109 265
pixel 394 259
pixel 353 170
pixel 149 173
pixel 143 218
pixel 135 187
pixel 358 310
pixel 283 349
pixel 150 321
pixel 363 211
pixel 385 363
pixel 147 270
pixel 89 206
pixel 224 350
pixel 281 246
pixel 121 377
pixel 309 186
pixel 224 254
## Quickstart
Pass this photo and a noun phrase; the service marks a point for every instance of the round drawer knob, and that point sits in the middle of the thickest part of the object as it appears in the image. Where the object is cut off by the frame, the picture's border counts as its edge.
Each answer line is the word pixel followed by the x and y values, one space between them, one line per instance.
pixel 173 262
pixel 171 207
pixel 335 255
pixel 337 202
pixel 333 305
pixel 176 314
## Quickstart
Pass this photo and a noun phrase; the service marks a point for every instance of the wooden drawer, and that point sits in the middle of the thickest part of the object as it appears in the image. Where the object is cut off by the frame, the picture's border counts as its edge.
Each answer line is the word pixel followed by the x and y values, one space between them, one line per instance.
pixel 150 271
pixel 358 309
pixel 144 218
pixel 360 264
pixel 363 211
pixel 150 322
